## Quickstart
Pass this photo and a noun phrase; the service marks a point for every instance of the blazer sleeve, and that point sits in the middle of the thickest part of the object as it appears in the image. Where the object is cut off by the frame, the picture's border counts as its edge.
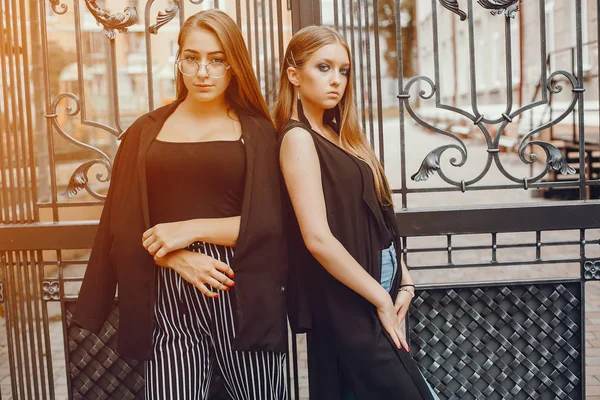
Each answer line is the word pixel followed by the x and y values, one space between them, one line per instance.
pixel 97 294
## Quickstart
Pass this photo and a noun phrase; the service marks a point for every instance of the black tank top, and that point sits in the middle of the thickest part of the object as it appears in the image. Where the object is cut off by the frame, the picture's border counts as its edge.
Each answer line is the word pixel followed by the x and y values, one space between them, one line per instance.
pixel 195 180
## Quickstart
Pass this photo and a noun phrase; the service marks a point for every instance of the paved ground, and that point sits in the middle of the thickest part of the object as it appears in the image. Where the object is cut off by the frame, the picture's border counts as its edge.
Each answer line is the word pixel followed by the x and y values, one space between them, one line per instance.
pixel 420 144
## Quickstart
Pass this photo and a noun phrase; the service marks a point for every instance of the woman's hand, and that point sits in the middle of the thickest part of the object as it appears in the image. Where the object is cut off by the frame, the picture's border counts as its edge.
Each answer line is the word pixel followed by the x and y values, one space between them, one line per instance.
pixel 389 319
pixel 165 238
pixel 199 270
pixel 402 305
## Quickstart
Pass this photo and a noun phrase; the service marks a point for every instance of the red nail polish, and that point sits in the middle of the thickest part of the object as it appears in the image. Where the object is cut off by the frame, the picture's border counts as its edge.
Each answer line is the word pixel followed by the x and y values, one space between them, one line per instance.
pixel 232 276
pixel 228 288
pixel 216 296
pixel 400 347
pixel 408 349
pixel 233 284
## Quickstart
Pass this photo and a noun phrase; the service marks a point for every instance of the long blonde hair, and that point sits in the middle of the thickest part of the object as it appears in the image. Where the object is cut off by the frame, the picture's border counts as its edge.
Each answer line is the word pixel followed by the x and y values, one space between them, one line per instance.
pixel 301 47
pixel 243 92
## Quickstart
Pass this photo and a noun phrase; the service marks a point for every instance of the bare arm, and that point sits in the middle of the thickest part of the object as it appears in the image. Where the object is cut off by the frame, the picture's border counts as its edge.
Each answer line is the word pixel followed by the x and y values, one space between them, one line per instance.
pixel 164 238
pixel 302 174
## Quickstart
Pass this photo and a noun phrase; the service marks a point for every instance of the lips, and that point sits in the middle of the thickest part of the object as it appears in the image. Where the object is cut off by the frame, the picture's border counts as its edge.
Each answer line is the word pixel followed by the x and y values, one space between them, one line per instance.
pixel 333 94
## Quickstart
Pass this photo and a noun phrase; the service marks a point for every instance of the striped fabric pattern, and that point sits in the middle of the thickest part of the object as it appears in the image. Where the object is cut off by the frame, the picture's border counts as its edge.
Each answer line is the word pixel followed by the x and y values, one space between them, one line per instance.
pixel 193 335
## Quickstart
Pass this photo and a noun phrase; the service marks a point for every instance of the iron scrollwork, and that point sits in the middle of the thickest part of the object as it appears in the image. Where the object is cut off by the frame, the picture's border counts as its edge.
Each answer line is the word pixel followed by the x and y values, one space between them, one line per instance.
pixel 164 17
pixel 110 22
pixel 591 270
pixel 58 7
pixel 496 7
pixel 79 179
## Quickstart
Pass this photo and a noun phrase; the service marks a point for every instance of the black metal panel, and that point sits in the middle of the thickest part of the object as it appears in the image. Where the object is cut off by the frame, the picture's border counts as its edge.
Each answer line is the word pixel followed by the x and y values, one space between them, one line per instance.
pixel 504 218
pixel 96 370
pixel 519 341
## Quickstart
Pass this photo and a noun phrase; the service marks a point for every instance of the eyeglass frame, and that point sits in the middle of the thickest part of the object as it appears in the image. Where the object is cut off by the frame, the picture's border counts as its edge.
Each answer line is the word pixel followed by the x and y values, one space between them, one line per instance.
pixel 178 63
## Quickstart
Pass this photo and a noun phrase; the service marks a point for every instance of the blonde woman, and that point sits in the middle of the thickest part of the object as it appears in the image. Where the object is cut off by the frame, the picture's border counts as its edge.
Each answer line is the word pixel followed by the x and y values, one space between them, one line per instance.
pixel 346 287
pixel 192 231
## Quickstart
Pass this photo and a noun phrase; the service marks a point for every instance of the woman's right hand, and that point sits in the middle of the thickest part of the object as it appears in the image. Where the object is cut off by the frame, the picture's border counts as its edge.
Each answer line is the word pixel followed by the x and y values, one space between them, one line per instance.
pixel 391 324
pixel 199 270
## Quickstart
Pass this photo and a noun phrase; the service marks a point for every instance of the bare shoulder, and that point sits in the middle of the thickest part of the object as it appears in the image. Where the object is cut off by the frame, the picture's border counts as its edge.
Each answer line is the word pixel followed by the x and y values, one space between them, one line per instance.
pixel 298 138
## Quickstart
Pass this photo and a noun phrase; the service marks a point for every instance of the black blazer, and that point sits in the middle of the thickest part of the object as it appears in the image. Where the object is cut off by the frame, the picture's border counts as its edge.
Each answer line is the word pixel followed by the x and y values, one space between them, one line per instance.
pixel 118 257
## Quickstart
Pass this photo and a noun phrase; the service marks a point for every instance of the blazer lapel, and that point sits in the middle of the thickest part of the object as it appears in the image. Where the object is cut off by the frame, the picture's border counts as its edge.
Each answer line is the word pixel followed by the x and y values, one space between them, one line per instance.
pixel 148 133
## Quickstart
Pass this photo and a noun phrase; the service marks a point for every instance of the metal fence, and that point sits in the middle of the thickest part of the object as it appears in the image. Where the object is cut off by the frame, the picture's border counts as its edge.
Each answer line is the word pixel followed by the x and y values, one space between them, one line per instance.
pixel 514 338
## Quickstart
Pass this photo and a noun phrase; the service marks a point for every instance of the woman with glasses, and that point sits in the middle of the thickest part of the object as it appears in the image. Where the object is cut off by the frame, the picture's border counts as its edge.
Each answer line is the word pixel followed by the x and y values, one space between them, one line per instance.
pixel 192 231
pixel 350 290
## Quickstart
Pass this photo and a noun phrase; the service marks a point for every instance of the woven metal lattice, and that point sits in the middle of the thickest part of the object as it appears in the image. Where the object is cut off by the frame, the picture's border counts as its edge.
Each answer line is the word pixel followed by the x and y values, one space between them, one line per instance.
pixel 97 371
pixel 500 342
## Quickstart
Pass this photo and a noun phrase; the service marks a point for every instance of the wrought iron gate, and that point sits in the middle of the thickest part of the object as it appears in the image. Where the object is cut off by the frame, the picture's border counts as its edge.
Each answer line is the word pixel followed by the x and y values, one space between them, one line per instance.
pixel 503 313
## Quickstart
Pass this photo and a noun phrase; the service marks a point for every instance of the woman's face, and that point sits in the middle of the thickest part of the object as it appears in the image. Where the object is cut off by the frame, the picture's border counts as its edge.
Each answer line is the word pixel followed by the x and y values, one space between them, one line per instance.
pixel 322 80
pixel 203 47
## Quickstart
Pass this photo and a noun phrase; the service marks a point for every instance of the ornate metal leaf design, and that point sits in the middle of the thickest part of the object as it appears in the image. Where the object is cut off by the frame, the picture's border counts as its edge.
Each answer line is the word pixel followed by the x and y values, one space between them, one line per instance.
pixel 79 180
pixel 508 7
pixel 555 159
pixel 453 6
pixel 110 22
pixel 164 17
pixel 430 164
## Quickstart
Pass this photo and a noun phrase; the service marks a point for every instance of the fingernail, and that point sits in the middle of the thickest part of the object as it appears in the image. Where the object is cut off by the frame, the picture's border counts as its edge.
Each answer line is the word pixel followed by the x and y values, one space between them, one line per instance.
pixel 408 349
pixel 400 347
pixel 216 296
pixel 232 276
pixel 233 284
pixel 227 288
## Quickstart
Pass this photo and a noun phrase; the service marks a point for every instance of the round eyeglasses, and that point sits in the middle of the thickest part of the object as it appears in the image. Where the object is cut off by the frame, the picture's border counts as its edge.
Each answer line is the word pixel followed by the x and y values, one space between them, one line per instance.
pixel 190 67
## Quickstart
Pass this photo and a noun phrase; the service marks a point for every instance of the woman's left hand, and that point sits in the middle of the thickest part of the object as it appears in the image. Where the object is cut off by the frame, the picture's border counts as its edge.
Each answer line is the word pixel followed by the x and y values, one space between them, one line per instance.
pixel 402 304
pixel 165 238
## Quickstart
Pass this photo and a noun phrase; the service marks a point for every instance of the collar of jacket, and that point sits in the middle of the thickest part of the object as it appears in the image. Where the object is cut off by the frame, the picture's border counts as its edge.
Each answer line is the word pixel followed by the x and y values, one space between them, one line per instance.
pixel 156 120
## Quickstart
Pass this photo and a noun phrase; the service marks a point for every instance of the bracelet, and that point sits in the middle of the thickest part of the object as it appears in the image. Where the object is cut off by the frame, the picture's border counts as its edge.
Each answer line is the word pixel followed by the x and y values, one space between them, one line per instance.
pixel 411 292
pixel 407 284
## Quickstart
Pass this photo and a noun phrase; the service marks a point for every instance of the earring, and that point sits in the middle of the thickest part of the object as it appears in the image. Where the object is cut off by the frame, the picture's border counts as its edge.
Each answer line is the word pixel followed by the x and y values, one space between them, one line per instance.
pixel 298 95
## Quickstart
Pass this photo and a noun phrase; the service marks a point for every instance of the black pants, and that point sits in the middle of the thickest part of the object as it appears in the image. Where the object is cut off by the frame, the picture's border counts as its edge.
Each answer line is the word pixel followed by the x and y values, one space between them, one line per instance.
pixel 193 334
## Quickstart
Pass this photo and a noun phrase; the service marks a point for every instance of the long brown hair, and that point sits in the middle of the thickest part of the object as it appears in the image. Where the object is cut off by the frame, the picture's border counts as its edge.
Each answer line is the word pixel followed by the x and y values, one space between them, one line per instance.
pixel 243 92
pixel 300 48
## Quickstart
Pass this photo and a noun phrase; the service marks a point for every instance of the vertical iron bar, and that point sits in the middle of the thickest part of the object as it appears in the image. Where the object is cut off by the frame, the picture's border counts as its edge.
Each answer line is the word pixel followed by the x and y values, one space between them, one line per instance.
pixel 23 321
pixel 361 74
pixel 10 112
pixel 149 74
pixel 272 78
pixel 574 113
pixel 8 318
pixel 344 28
pixel 7 196
pixel 238 13
pixel 378 82
pixel 248 28
pixel 33 324
pixel 265 46
pixel 543 56
pixel 37 299
pixel 494 247
pixel 20 128
pixel 538 246
pixel 257 47
pixel 580 106
pixel 472 65
pixel 369 81
pixel 15 85
pixel 335 15
pixel 449 248
pixel 280 30
pixel 47 345
pixel 401 105
pixel 114 92
pixel 216 4
pixel 354 79
pixel 508 59
pixel 49 129
pixel 11 281
pixel 29 171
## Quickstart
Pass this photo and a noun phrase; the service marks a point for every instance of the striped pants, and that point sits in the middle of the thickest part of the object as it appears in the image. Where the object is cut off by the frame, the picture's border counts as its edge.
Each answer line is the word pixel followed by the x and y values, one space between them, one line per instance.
pixel 193 331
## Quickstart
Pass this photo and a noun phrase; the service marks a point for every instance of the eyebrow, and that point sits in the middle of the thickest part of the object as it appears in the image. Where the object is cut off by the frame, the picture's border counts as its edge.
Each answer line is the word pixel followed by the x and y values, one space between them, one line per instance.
pixel 327 60
pixel 210 53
